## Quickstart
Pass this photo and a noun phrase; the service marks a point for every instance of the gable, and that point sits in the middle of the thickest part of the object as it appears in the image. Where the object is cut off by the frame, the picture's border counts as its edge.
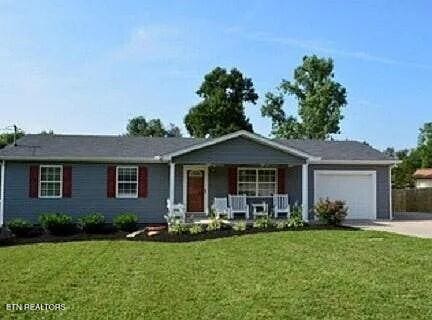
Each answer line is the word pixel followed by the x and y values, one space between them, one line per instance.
pixel 239 150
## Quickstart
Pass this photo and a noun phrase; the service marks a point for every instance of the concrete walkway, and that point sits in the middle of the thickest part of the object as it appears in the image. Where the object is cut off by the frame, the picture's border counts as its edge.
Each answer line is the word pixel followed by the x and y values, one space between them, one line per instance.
pixel 410 224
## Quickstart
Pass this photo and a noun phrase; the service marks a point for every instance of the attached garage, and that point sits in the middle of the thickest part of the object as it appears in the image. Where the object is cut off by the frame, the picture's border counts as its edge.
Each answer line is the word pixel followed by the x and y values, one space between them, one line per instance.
pixel 356 188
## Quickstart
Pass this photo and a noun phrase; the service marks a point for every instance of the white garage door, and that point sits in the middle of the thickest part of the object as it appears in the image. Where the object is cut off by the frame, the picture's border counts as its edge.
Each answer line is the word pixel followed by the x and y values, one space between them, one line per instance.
pixel 356 188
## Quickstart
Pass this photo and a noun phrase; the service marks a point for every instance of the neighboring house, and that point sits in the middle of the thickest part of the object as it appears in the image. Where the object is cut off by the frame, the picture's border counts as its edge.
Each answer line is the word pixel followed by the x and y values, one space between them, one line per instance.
pixel 423 178
pixel 113 174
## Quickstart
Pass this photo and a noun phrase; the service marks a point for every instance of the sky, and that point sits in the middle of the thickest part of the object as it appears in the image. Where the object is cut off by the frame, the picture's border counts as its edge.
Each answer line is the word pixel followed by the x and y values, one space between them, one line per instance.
pixel 86 67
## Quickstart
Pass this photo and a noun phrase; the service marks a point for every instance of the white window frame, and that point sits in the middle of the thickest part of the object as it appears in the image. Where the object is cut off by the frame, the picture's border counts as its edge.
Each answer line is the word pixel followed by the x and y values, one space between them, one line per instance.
pixel 135 196
pixel 257 169
pixel 45 181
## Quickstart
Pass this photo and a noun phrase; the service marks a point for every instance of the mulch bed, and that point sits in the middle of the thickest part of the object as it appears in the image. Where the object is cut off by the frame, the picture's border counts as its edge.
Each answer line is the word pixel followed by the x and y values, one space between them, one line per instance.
pixel 163 236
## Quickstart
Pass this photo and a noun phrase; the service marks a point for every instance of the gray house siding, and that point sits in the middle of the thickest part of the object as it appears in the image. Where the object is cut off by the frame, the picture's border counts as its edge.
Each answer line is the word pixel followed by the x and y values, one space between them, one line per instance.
pixel 238 151
pixel 89 194
pixel 382 184
pixel 293 184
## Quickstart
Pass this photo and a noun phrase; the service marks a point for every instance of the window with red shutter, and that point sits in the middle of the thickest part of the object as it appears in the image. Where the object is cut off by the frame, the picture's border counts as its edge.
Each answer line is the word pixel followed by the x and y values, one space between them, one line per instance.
pixel 143 182
pixel 281 180
pixel 232 180
pixel 34 182
pixel 67 181
pixel 111 181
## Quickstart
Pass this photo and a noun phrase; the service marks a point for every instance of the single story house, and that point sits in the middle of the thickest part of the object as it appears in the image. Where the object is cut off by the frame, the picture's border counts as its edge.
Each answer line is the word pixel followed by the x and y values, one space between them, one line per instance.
pixel 78 174
pixel 423 178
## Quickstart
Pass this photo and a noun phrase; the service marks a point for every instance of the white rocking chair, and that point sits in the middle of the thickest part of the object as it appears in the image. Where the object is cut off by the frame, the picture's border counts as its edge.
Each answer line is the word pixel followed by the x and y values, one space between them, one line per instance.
pixel 220 207
pixel 178 211
pixel 238 204
pixel 281 204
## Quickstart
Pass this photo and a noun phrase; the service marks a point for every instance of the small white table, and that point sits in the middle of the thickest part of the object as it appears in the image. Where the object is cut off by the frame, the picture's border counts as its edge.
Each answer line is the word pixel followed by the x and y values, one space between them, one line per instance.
pixel 259 209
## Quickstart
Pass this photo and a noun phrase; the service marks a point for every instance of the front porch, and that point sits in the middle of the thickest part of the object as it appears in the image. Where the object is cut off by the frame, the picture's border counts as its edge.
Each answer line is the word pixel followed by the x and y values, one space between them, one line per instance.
pixel 196 187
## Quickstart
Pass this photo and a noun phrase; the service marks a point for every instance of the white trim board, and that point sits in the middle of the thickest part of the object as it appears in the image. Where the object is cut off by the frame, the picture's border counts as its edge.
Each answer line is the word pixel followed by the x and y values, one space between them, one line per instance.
pixel 206 194
pixel 371 173
pixel 352 162
pixel 135 196
pixel 40 181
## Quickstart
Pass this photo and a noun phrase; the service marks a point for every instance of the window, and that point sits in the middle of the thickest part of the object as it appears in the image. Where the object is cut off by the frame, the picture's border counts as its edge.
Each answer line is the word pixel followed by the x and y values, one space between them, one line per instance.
pixel 127 182
pixel 256 182
pixel 51 181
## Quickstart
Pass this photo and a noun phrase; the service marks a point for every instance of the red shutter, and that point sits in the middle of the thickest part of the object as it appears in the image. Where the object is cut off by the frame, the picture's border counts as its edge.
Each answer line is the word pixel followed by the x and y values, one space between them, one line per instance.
pixel 232 180
pixel 111 182
pixel 142 182
pixel 281 180
pixel 67 181
pixel 34 182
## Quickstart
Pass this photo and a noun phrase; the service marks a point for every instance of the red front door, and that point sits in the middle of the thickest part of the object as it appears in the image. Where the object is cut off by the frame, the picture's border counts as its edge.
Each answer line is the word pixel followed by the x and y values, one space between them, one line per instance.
pixel 195 190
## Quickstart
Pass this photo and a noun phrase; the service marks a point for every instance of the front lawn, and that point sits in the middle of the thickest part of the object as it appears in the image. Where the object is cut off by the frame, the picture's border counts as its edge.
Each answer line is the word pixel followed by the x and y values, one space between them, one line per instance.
pixel 312 274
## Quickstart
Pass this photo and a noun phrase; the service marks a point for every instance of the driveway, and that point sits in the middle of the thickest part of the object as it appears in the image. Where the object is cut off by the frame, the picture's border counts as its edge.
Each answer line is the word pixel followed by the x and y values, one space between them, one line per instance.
pixel 410 224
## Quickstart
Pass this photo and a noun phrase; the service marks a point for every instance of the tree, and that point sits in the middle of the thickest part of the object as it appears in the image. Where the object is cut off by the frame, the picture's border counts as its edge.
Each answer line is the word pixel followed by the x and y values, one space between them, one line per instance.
pixel 411 160
pixel 222 109
pixel 173 131
pixel 425 145
pixel 390 152
pixel 140 127
pixel 8 138
pixel 320 101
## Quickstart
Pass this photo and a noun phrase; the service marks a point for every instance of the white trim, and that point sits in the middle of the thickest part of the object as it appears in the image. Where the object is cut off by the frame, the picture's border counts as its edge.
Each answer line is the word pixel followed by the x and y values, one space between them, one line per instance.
pixel 275 191
pixel 117 182
pixel 370 162
pixel 241 133
pixel 390 193
pixel 171 187
pixel 2 186
pixel 305 192
pixel 40 181
pixel 196 167
pixel 351 172
pixel 155 159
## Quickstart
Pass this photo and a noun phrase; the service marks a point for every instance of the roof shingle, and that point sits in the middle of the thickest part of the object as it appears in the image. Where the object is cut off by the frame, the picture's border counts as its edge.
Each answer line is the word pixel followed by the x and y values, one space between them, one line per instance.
pixel 86 146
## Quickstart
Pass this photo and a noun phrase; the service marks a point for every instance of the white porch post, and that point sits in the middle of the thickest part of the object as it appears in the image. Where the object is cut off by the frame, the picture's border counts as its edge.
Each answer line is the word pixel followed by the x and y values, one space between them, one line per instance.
pixel 171 186
pixel 305 192
pixel 2 186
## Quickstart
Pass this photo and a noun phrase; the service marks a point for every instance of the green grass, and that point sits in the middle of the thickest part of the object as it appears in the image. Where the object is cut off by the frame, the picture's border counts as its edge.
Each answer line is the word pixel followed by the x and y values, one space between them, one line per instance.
pixel 317 274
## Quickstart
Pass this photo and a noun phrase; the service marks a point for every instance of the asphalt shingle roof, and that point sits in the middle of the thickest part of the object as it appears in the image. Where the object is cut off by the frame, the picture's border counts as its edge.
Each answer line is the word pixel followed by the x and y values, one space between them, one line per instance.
pixel 84 146
pixel 336 150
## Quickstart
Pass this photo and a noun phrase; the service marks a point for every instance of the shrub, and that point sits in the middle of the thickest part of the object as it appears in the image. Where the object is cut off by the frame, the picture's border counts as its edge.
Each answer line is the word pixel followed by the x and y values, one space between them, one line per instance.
pixel 126 222
pixel 196 229
pixel 296 220
pixel 214 225
pixel 263 223
pixel 20 227
pixel 57 223
pixel 281 224
pixel 239 225
pixel 93 223
pixel 331 212
pixel 177 227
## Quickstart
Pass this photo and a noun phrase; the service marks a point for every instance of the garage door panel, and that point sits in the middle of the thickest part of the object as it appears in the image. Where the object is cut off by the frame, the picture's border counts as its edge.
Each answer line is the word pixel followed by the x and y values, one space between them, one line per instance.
pixel 357 189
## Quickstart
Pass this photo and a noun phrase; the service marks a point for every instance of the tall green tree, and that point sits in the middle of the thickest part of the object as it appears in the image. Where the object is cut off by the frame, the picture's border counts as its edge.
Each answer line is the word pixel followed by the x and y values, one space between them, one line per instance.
pixel 222 109
pixel 320 102
pixel 140 127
